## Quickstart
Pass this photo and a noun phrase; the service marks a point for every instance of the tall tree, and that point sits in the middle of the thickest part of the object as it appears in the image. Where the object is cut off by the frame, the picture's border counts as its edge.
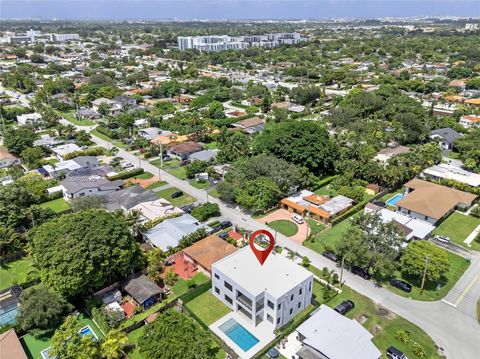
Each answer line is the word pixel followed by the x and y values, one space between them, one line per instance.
pixel 82 251
pixel 42 309
pixel 422 257
pixel 18 139
pixel 173 336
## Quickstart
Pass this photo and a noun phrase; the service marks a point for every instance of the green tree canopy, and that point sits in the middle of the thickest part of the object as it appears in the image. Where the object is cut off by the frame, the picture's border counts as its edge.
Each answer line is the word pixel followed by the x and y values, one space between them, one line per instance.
pixel 83 251
pixel 42 309
pixel 18 139
pixel 173 336
pixel 305 143
pixel 67 343
pixel 419 255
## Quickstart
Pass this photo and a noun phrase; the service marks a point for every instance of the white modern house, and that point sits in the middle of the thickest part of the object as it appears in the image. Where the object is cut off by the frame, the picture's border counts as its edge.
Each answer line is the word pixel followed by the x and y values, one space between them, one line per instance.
pixel 450 172
pixel 33 119
pixel 63 150
pixel 274 292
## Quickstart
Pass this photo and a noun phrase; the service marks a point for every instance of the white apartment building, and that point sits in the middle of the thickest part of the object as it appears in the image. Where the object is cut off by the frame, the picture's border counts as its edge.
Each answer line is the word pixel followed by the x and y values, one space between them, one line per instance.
pixel 273 293
pixel 65 37
pixel 225 42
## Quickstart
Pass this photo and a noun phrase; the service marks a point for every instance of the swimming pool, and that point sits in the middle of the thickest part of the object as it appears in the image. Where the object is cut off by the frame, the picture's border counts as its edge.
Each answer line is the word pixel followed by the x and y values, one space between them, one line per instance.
pixel 88 331
pixel 393 201
pixel 240 336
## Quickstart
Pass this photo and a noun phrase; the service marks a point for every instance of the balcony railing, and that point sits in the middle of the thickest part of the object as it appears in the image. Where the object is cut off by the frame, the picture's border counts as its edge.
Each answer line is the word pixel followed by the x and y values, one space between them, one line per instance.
pixel 260 305
pixel 245 301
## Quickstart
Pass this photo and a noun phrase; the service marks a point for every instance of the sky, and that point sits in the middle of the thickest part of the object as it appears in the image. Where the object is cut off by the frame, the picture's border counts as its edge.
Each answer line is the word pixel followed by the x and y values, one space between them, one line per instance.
pixel 234 9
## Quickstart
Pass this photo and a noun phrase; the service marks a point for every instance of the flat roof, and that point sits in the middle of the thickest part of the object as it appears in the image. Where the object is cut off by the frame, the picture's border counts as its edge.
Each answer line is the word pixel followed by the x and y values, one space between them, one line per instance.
pixel 276 276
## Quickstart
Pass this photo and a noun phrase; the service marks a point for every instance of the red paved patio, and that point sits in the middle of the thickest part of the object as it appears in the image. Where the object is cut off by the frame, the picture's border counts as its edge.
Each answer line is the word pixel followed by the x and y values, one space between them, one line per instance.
pixel 182 267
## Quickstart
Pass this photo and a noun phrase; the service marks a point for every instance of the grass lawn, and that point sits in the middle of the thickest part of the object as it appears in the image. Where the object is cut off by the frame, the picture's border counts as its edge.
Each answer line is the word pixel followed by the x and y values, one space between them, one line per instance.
pixel 200 185
pixel 181 286
pixel 179 201
pixel 157 184
pixel 384 324
pixel 326 191
pixel 207 307
pixel 285 227
pixel 214 193
pixel 133 338
pixel 115 143
pixel 315 227
pixel 212 145
pixel 70 117
pixel 329 237
pixel 457 227
pixel 178 172
pixel 59 205
pixel 458 265
pixel 144 175
pixel 17 272
pixel 166 164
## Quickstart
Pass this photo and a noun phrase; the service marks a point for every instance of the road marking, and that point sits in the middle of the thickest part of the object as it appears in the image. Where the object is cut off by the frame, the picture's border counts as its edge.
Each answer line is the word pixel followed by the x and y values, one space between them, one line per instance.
pixel 449 303
pixel 466 290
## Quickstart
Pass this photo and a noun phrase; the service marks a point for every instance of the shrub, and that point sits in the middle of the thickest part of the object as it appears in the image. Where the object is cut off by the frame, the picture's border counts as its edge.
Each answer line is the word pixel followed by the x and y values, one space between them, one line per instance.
pixel 127 174
pixel 418 350
pixel 306 262
pixel 206 211
pixel 402 336
pixel 476 211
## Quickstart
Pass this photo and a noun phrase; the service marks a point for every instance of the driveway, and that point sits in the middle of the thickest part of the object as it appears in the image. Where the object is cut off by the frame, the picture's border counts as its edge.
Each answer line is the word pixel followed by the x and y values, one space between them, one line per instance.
pixel 283 214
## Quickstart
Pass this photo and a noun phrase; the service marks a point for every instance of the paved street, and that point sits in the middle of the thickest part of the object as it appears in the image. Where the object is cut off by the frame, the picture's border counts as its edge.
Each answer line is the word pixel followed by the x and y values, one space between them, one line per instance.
pixel 451 323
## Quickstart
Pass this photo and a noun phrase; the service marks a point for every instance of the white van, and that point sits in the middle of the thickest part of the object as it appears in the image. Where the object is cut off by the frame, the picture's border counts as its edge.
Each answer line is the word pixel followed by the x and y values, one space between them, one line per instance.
pixel 297 218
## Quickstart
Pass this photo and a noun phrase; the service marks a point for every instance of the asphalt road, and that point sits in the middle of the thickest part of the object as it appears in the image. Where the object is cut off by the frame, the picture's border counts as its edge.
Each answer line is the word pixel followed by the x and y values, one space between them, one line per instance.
pixel 452 322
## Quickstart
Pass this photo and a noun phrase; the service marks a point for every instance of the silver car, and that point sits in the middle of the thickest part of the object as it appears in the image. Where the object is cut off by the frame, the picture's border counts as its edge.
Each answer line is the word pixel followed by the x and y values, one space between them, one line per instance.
pixel 442 239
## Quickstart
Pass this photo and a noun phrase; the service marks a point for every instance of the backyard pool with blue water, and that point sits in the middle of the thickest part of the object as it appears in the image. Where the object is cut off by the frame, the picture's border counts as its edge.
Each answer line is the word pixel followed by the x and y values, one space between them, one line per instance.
pixel 88 331
pixel 240 336
pixel 393 201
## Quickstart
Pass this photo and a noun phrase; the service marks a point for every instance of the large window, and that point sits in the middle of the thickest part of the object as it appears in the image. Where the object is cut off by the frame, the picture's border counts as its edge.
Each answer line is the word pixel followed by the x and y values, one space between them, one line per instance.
pixel 269 318
pixel 228 299
pixel 270 304
pixel 217 290
pixel 217 276
pixel 228 285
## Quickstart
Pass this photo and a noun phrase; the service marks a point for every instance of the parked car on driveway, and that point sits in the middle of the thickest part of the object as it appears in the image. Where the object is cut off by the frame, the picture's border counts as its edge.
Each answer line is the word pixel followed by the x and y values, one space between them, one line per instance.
pixel 361 272
pixel 394 353
pixel 344 307
pixel 400 284
pixel 442 239
pixel 215 229
pixel 330 255
pixel 297 218
pixel 177 194
pixel 225 224
pixel 166 158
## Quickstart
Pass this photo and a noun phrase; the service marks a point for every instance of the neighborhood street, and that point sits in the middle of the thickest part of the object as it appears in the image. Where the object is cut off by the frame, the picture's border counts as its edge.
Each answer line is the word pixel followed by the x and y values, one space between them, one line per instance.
pixel 451 322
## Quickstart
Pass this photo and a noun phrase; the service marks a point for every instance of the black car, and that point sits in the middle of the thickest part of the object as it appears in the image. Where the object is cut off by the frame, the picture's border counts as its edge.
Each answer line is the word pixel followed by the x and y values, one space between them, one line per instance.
pixel 225 224
pixel 215 229
pixel 187 208
pixel 361 272
pixel 177 194
pixel 223 235
pixel 400 284
pixel 330 255
pixel 394 353
pixel 344 307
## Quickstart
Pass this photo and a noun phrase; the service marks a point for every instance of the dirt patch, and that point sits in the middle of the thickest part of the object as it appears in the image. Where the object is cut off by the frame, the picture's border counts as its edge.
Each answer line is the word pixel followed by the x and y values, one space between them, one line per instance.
pixel 384 312
pixel 144 183
pixel 362 319
pixel 377 329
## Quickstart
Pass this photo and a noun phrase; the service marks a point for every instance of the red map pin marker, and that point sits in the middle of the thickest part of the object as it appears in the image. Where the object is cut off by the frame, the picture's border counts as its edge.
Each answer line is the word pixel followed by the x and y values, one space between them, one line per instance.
pixel 261 254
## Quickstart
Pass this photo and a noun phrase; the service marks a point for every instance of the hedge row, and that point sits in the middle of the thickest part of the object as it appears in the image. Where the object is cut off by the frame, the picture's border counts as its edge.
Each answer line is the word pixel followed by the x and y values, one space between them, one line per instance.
pixel 94 151
pixel 127 174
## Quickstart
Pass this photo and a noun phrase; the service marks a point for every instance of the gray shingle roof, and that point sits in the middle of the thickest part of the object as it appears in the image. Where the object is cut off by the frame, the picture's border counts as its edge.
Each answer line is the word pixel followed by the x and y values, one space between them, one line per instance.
pixel 140 287
pixel 447 134
pixel 128 198
pixel 78 183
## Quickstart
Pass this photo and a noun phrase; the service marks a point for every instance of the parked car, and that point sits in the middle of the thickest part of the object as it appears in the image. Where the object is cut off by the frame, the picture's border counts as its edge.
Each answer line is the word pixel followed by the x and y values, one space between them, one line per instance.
pixel 126 165
pixel 344 307
pixel 188 208
pixel 400 284
pixel 361 272
pixel 177 194
pixel 215 229
pixel 297 218
pixel 442 239
pixel 330 255
pixel 166 158
pixel 223 235
pixel 394 353
pixel 225 224
pixel 185 162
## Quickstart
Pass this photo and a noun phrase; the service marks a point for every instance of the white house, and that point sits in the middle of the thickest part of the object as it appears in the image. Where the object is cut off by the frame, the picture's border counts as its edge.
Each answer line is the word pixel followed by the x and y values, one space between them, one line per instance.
pixel 82 186
pixel 272 293
pixel 329 335
pixel 33 119
pixel 63 150
pixel 449 172
pixel 470 121
pixel 72 166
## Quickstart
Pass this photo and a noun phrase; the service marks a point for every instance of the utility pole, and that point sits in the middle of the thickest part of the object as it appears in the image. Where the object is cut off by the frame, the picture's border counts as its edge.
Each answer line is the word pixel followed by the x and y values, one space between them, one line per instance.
pixel 341 269
pixel 427 261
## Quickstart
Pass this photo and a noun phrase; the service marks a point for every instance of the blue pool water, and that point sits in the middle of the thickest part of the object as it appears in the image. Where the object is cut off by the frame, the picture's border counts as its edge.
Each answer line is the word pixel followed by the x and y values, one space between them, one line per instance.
pixel 88 331
pixel 240 336
pixel 393 201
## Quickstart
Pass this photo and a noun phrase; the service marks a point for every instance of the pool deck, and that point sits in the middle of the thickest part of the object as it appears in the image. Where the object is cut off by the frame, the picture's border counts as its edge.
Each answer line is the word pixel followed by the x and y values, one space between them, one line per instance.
pixel 263 332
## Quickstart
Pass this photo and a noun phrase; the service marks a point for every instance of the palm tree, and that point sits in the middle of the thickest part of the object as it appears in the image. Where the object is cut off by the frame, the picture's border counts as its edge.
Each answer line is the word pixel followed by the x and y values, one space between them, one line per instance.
pixel 113 346
pixel 291 255
pixel 10 241
pixel 134 221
